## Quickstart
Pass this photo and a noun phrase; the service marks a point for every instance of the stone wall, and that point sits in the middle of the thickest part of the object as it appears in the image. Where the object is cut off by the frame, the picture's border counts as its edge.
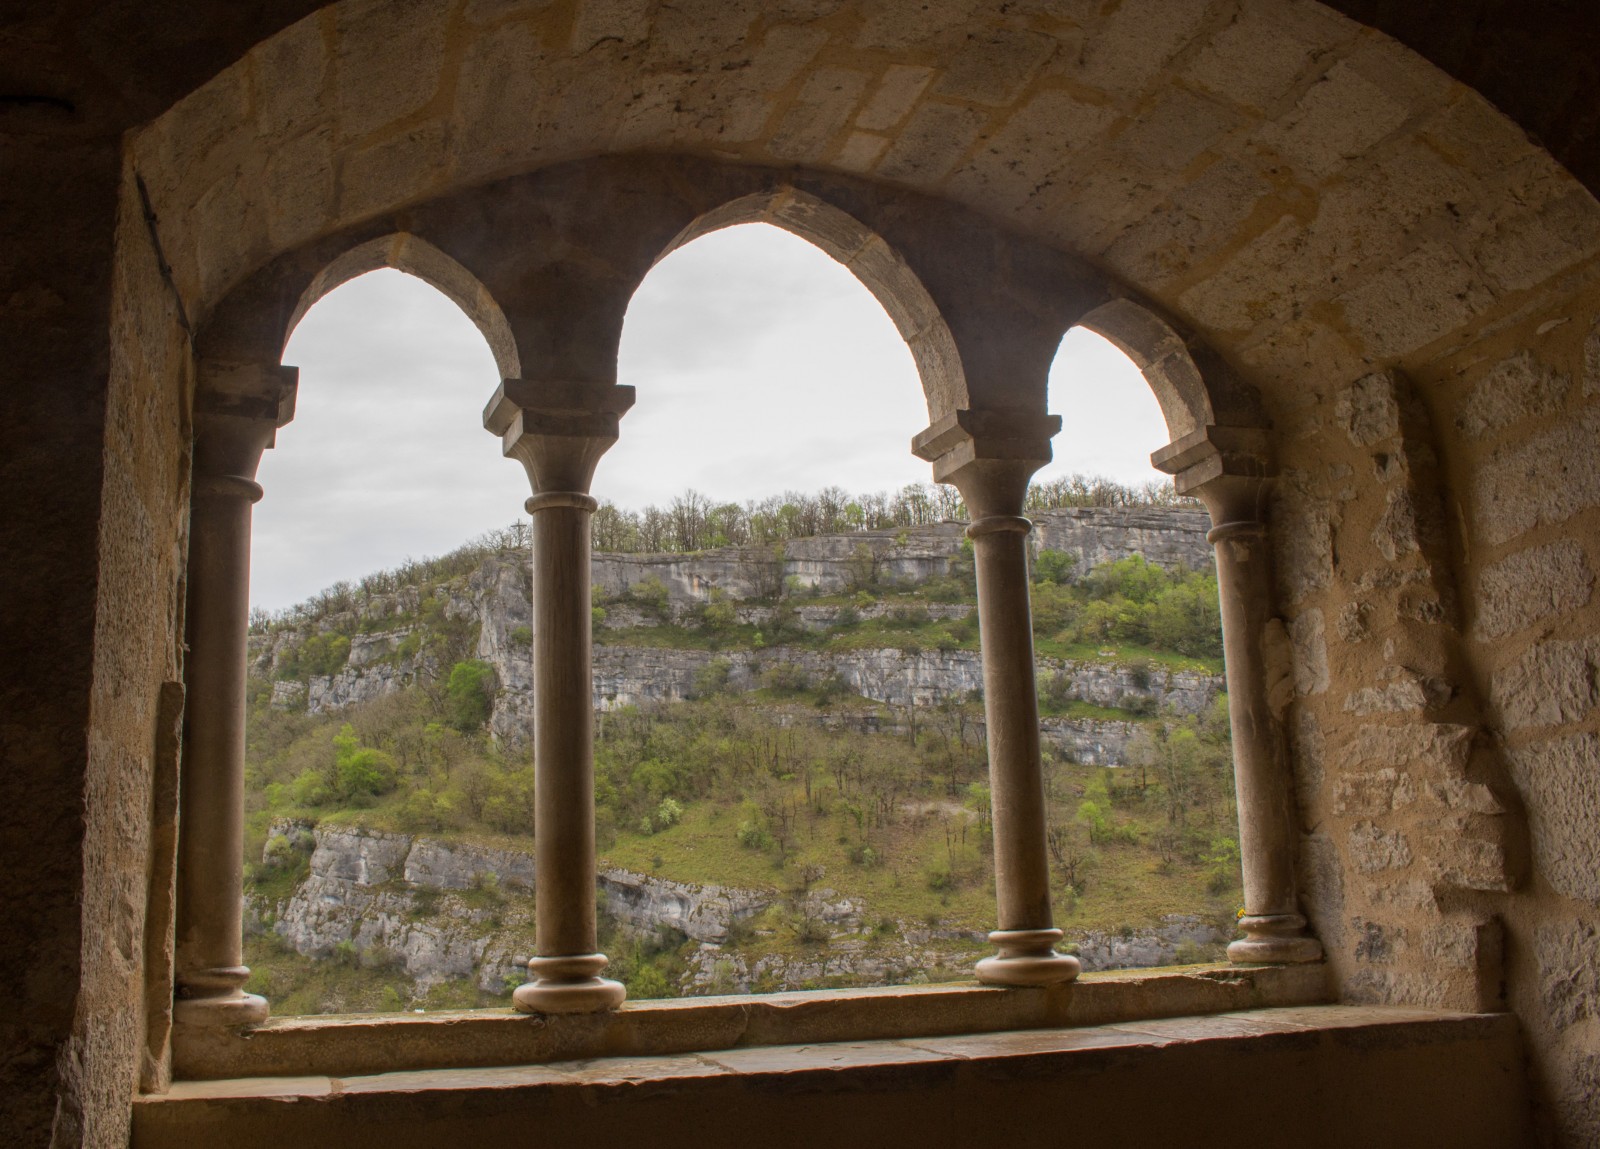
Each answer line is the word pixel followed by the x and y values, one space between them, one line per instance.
pixel 1438 573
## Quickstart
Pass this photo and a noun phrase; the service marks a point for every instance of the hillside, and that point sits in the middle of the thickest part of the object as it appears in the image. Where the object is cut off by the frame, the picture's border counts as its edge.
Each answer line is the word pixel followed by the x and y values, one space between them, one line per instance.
pixel 790 765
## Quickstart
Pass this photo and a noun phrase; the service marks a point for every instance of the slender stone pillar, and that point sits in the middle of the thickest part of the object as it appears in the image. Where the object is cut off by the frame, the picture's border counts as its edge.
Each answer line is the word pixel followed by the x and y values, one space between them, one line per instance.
pixel 990 456
pixel 558 431
pixel 1229 470
pixel 238 410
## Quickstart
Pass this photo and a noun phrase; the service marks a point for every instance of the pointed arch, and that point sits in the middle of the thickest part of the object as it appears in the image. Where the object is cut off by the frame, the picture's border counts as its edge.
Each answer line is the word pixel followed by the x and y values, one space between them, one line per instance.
pixel 866 255
pixel 415 256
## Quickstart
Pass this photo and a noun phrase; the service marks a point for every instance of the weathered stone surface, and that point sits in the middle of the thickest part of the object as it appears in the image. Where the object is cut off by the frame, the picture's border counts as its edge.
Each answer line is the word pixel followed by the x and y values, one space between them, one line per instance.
pixel 1560 783
pixel 1306 632
pixel 1374 793
pixel 1569 977
pixel 1437 749
pixel 1532 585
pixel 1545 479
pixel 1553 683
pixel 1374 850
pixel 1516 388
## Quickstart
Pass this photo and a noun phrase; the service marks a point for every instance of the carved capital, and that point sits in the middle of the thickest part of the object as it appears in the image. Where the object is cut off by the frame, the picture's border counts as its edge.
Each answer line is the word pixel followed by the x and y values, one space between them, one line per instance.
pixel 989 455
pixel 557 431
pixel 238 408
pixel 1229 468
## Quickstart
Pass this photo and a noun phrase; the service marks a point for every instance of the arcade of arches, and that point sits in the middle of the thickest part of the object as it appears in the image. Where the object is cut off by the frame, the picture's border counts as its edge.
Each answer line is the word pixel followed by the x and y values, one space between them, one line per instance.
pixel 1367 301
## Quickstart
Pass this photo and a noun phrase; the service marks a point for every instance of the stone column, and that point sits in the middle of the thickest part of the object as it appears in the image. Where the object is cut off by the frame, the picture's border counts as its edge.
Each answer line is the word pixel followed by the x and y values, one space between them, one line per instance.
pixel 990 456
pixel 1229 469
pixel 238 409
pixel 558 431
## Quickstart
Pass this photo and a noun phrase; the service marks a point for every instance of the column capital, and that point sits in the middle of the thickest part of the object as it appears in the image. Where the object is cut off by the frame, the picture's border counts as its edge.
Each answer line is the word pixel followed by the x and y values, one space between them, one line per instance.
pixel 557 431
pixel 238 408
pixel 989 454
pixel 1229 468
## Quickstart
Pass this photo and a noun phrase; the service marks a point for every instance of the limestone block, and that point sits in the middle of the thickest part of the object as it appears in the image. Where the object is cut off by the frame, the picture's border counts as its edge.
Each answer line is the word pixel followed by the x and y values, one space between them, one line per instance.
pixel 994 66
pixel 389 61
pixel 1259 56
pixel 1374 850
pixel 1436 749
pixel 692 35
pixel 1552 684
pixel 1404 692
pixel 1374 793
pixel 1569 977
pixel 1527 245
pixel 1320 875
pixel 1176 130
pixel 1591 361
pixel 1251 287
pixel 898 90
pixel 299 187
pixel 1377 944
pixel 1532 585
pixel 625 21
pixel 884 26
pixel 1136 42
pixel 1560 785
pixel 1304 544
pixel 819 112
pixel 1306 632
pixel 1545 479
pixel 291 72
pixel 1395 533
pixel 932 143
pixel 1201 217
pixel 1427 294
pixel 395 170
pixel 1369 409
pixel 1518 387
pixel 1354 623
pixel 860 152
pixel 1102 201
pixel 1036 143
pixel 1337 119
pixel 1371 215
pixel 489 11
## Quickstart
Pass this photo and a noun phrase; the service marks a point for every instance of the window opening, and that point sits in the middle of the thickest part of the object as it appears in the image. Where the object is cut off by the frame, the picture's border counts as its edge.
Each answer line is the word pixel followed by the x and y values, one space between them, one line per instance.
pixel 1141 816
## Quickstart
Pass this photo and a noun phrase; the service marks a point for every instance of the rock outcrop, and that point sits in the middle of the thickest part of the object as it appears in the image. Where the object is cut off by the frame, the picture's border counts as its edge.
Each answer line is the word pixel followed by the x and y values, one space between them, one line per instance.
pixel 441 910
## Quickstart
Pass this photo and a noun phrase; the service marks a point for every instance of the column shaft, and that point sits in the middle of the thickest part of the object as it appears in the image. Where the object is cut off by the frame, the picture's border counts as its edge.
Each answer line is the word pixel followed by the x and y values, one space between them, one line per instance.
pixel 563 725
pixel 1272 921
pixel 1011 709
pixel 1027 936
pixel 210 961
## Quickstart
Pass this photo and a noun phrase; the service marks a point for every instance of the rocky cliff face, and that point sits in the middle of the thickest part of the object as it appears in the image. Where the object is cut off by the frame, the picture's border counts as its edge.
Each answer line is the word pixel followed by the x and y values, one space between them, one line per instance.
pixel 445 910
pixel 492 604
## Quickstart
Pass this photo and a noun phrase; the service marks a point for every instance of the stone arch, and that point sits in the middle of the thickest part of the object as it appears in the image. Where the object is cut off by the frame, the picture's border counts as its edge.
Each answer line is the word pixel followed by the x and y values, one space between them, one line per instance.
pixel 415 256
pixel 873 261
pixel 1162 358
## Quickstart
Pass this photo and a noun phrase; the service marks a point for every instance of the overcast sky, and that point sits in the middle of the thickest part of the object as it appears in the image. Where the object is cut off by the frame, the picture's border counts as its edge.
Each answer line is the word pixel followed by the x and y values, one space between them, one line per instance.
pixel 745 347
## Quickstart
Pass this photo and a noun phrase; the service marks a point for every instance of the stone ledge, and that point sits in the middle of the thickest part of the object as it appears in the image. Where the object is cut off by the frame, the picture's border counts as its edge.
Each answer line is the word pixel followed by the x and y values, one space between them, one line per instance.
pixel 346 1046
pixel 1301 1076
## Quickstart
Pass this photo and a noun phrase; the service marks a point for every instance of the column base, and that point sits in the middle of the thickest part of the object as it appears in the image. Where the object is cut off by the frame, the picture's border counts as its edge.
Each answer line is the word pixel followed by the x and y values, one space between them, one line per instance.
pixel 1027 958
pixel 1272 939
pixel 568 985
pixel 215 999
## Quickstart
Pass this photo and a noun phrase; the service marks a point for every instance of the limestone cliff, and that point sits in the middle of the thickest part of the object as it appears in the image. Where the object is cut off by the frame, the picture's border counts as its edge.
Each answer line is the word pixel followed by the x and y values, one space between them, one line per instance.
pixel 446 910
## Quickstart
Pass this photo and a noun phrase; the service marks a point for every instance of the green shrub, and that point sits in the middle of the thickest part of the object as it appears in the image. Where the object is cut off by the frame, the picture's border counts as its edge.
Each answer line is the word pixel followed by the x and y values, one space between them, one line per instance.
pixel 469 691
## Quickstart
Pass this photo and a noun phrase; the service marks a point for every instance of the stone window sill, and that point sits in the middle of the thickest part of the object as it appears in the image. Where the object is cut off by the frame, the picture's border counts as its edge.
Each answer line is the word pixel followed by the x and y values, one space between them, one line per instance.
pixel 351 1046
